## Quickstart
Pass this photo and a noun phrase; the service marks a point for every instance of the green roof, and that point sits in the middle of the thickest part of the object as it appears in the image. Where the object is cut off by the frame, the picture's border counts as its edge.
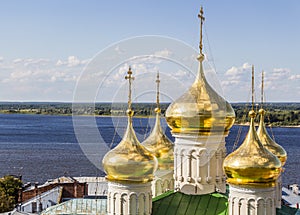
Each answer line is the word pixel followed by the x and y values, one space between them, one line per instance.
pixel 177 203
pixel 285 210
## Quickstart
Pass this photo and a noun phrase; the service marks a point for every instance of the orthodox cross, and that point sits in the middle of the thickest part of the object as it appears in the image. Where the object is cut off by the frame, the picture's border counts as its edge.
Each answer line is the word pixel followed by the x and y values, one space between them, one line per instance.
pixel 157 92
pixel 130 78
pixel 262 89
pixel 202 19
pixel 253 87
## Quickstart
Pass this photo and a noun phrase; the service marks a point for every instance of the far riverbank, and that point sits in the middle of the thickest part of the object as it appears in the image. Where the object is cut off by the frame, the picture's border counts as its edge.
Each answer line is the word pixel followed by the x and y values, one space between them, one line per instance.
pixel 136 116
pixel 277 115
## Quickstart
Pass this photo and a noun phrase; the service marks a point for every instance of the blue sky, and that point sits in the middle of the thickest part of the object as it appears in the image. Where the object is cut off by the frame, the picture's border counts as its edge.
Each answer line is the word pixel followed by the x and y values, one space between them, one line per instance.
pixel 44 45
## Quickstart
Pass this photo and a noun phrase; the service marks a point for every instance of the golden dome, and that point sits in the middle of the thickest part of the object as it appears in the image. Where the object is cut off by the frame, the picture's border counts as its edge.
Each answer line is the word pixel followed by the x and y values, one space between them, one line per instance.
pixel 251 163
pixel 200 110
pixel 129 161
pixel 160 145
pixel 268 142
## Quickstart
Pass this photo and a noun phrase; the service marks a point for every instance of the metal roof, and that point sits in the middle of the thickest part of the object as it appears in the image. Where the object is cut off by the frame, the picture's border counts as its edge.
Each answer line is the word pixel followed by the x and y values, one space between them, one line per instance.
pixel 176 203
pixel 172 203
pixel 78 206
pixel 286 210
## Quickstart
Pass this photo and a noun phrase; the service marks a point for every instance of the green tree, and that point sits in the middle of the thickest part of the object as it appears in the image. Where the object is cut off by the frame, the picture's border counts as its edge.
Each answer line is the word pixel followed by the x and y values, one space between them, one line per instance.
pixel 9 188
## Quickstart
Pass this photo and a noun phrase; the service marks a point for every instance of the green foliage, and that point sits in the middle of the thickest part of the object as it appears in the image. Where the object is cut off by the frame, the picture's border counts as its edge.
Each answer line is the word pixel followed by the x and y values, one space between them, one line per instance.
pixel 278 114
pixel 9 188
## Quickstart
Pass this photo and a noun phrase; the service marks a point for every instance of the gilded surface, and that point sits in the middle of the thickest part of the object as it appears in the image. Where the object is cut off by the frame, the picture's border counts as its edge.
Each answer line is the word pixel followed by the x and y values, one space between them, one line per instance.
pixel 268 142
pixel 129 161
pixel 161 146
pixel 200 110
pixel 251 163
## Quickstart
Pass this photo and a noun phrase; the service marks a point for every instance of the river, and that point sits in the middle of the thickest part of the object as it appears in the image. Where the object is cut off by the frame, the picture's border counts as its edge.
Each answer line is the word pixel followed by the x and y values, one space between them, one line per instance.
pixel 42 147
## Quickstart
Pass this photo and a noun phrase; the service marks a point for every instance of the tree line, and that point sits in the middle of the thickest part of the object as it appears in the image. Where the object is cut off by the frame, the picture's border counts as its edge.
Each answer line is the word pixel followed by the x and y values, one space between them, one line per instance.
pixel 278 114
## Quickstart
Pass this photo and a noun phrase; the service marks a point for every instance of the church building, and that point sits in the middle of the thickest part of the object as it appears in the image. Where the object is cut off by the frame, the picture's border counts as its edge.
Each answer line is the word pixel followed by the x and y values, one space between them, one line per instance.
pixel 194 175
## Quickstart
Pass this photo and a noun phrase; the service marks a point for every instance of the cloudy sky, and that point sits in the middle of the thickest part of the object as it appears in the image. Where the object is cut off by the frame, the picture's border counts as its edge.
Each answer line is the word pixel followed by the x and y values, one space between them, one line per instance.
pixel 47 48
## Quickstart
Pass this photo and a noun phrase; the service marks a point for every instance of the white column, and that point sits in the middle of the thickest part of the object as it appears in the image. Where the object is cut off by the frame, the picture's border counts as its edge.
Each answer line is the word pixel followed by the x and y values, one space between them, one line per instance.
pixel 189 167
pixel 199 170
pixel 278 192
pixel 175 165
pixel 251 200
pixel 120 199
pixel 163 182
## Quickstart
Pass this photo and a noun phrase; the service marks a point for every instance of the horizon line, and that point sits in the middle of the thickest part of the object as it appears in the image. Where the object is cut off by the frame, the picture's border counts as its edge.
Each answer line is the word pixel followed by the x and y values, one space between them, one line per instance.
pixel 70 102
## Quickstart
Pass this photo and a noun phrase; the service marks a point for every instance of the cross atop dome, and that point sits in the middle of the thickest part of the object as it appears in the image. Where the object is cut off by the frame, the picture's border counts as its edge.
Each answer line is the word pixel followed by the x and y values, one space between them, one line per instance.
pixel 157 109
pixel 252 88
pixel 130 78
pixel 262 90
pixel 202 19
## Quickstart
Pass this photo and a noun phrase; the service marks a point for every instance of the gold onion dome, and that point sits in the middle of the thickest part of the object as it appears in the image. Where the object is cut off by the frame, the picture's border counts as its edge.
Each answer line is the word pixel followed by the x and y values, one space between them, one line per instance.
pixel 263 135
pixel 158 143
pixel 129 161
pixel 268 142
pixel 251 163
pixel 200 109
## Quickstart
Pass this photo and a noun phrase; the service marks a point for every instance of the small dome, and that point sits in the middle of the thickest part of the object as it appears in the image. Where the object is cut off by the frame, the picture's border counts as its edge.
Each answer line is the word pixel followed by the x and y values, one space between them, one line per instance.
pixel 160 145
pixel 129 161
pixel 200 110
pixel 268 142
pixel 251 163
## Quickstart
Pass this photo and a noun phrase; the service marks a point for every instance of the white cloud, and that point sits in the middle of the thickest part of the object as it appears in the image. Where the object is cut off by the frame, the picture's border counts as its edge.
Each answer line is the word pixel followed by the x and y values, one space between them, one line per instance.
pixel 163 53
pixel 185 76
pixel 60 63
pixel 119 50
pixel 39 70
pixel 140 67
pixel 238 74
pixel 236 82
pixel 29 79
pixel 72 61
pixel 18 60
pixel 279 74
pixel 232 71
pixel 294 77
pixel 277 85
pixel 229 83
pixel 36 62
pixel 237 71
pixel 137 68
pixel 19 75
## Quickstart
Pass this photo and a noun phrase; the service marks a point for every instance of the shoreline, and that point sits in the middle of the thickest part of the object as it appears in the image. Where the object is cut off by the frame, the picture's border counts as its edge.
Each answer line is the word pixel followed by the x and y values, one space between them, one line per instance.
pixel 275 126
pixel 137 116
